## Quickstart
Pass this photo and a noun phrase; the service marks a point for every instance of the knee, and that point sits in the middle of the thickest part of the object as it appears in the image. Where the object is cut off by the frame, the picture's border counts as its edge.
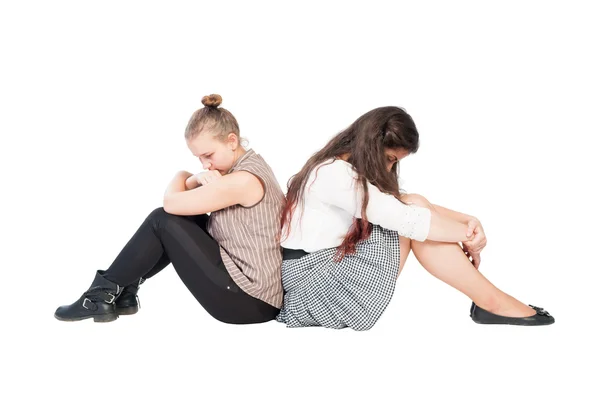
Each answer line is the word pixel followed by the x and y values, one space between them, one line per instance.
pixel 158 213
pixel 417 199
pixel 159 217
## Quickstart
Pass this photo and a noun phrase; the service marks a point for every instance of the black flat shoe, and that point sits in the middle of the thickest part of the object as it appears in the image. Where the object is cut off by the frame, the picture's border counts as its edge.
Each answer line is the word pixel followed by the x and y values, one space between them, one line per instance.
pixel 541 317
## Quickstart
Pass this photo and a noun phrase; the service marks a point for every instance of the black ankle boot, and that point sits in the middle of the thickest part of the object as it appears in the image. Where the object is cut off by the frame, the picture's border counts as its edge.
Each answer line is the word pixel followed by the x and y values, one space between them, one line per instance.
pixel 128 302
pixel 97 302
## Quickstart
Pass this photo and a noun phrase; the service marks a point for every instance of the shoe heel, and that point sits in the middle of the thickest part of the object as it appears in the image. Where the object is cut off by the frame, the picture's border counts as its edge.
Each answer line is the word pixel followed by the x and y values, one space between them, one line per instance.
pixel 106 317
pixel 127 310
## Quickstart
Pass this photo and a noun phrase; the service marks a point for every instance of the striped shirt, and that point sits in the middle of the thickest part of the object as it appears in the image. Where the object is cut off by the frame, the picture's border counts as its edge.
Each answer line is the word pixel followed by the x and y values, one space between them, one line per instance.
pixel 249 236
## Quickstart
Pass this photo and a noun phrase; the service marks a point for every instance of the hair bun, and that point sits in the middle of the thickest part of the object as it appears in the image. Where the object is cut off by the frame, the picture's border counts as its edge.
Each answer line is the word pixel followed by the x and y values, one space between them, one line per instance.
pixel 213 100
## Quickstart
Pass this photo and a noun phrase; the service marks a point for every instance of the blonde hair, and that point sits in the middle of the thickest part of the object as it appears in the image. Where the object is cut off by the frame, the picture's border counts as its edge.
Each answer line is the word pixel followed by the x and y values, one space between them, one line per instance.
pixel 219 121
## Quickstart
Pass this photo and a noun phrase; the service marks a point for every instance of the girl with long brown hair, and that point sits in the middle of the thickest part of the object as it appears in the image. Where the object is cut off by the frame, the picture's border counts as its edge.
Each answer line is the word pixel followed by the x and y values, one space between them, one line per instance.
pixel 348 227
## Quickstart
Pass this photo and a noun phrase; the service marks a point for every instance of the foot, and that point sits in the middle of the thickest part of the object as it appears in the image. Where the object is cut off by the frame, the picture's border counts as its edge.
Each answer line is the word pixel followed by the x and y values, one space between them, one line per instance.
pixel 540 317
pixel 128 302
pixel 87 307
pixel 98 302
pixel 510 307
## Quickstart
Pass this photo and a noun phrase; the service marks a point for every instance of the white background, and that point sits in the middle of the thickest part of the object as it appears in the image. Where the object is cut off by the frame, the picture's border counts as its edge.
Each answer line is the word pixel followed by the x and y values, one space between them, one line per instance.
pixel 95 97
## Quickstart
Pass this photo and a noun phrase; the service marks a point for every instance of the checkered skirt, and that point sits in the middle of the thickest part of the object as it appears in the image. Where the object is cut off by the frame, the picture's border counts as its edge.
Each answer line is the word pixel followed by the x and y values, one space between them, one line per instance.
pixel 351 293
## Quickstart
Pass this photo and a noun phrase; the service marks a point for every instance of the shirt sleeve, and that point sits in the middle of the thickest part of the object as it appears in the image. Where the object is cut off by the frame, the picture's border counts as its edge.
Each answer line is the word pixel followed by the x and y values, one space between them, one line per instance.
pixel 335 185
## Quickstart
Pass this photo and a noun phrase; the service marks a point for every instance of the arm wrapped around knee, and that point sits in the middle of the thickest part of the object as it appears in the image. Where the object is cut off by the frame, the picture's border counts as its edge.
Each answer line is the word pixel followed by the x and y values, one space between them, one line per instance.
pixel 416 199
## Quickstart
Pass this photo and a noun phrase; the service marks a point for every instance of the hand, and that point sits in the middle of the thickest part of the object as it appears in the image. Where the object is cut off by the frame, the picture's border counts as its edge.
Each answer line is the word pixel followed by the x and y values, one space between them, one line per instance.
pixel 475 245
pixel 475 259
pixel 206 177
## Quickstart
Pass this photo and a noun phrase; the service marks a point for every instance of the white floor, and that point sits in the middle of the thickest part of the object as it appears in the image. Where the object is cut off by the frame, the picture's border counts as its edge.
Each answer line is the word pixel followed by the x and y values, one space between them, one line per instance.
pixel 425 344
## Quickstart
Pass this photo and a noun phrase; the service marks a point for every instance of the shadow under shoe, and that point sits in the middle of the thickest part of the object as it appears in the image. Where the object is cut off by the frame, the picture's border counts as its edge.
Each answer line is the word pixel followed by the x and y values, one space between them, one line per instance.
pixel 97 302
pixel 128 302
pixel 481 316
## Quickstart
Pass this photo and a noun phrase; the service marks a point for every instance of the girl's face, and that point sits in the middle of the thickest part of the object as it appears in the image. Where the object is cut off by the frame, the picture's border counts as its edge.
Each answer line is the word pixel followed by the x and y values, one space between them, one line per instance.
pixel 213 153
pixel 394 155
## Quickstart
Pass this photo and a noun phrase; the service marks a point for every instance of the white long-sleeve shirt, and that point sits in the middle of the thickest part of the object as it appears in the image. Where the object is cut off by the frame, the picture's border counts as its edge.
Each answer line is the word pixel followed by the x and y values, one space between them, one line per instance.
pixel 331 202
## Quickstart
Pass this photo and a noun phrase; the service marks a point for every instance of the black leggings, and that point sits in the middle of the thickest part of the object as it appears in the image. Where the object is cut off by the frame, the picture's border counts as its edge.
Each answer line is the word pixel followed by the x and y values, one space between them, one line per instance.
pixel 165 238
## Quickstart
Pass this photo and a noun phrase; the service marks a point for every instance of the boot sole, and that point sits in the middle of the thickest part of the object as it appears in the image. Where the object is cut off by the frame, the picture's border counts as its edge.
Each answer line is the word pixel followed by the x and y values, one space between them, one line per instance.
pixel 97 318
pixel 127 310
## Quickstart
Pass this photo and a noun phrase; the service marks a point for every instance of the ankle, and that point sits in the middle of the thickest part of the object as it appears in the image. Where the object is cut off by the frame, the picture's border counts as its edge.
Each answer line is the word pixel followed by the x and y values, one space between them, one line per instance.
pixel 491 303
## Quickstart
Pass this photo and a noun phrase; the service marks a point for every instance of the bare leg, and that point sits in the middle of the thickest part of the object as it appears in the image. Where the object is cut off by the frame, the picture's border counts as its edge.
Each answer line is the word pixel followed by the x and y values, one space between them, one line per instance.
pixel 448 263
pixel 404 251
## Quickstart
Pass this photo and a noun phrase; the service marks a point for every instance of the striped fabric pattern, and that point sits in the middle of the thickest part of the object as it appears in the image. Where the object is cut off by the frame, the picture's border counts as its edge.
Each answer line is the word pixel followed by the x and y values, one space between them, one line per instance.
pixel 248 236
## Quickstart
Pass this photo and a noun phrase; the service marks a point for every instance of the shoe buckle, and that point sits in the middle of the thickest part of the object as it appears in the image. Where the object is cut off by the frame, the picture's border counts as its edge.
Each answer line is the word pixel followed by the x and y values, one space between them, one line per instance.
pixel 83 304
pixel 112 298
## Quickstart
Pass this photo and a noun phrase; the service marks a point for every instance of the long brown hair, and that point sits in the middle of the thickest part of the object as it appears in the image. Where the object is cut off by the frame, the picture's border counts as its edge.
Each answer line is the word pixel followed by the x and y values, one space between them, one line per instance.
pixel 365 141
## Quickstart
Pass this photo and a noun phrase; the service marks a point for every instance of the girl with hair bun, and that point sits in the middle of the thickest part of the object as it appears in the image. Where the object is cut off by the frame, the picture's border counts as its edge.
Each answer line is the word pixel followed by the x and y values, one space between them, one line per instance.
pixel 230 261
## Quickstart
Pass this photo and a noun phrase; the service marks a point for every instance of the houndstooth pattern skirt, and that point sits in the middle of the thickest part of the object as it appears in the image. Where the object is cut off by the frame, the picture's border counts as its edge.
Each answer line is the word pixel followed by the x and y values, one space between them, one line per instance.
pixel 351 293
